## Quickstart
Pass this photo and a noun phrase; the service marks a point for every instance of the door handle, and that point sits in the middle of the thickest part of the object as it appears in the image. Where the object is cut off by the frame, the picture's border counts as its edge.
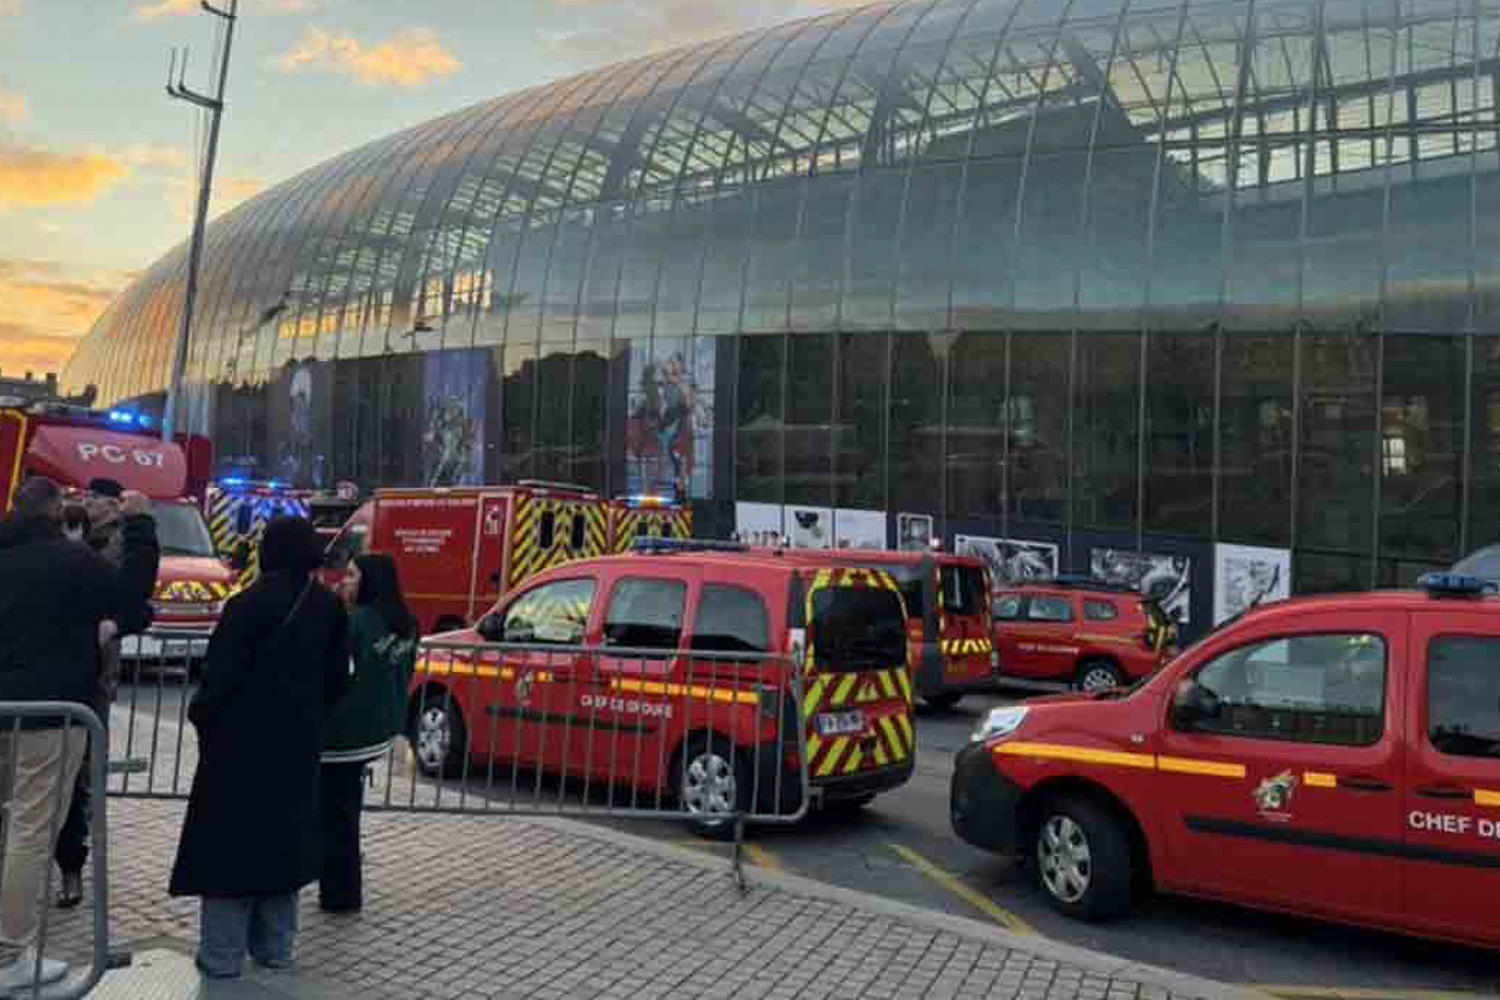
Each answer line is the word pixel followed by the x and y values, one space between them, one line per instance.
pixel 1444 792
pixel 1364 783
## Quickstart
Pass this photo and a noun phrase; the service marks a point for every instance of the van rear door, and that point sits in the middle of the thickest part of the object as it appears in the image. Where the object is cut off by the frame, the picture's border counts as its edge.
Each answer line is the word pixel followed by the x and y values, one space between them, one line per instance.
pixel 857 706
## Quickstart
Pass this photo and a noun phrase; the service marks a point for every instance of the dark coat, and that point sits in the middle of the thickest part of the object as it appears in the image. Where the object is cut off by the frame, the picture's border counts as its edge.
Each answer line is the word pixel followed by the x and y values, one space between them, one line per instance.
pixel 53 595
pixel 253 826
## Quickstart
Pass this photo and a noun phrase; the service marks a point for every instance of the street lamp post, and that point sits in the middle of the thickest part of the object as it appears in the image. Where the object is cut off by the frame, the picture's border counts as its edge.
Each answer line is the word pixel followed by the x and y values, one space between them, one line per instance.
pixel 215 106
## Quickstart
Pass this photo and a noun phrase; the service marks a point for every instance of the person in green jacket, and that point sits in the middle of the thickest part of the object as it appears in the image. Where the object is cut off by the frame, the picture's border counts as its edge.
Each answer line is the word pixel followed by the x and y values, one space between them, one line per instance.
pixel 364 724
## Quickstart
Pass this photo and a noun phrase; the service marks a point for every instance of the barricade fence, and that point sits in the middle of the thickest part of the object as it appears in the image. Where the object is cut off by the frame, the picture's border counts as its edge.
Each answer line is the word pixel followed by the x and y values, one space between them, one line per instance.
pixel 715 739
pixel 39 741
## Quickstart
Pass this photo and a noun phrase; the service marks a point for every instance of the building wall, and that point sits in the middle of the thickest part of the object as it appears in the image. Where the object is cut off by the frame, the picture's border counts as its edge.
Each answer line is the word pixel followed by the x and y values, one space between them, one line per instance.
pixel 1113 275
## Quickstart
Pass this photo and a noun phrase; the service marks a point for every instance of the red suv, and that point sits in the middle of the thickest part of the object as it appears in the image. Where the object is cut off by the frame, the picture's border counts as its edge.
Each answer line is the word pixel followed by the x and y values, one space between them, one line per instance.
pixel 1334 756
pixel 1080 632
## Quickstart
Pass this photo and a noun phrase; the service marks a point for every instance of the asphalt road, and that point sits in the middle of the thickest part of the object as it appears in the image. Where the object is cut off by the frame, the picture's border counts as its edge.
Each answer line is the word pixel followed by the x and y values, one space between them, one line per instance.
pixel 901 847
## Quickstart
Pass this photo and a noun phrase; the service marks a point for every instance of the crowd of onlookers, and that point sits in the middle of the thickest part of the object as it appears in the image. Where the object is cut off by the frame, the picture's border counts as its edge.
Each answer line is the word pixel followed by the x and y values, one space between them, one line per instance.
pixel 301 690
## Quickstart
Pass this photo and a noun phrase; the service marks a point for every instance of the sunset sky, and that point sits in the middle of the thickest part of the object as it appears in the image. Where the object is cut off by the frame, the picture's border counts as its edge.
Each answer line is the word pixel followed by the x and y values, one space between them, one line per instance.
pixel 97 163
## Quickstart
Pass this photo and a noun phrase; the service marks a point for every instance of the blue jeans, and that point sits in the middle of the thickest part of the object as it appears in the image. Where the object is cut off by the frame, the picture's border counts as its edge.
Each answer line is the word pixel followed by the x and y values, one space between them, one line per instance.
pixel 230 926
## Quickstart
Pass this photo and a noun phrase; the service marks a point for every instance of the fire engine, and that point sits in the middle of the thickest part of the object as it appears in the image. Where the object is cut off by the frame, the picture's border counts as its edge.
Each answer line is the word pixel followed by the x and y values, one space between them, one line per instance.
pixel 458 550
pixel 238 509
pixel 647 516
pixel 74 445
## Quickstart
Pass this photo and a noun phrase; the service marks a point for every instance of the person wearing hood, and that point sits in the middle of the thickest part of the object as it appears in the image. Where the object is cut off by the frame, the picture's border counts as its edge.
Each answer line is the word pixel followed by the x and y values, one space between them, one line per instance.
pixel 277 664
pixel 54 595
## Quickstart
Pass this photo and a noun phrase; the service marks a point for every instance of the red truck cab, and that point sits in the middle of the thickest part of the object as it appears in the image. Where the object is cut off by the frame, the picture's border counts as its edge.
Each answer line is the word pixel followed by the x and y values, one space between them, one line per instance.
pixel 74 446
pixel 1334 756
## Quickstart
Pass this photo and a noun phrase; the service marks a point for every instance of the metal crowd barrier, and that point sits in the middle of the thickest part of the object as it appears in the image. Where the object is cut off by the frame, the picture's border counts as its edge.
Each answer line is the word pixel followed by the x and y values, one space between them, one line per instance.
pixel 70 722
pixel 711 738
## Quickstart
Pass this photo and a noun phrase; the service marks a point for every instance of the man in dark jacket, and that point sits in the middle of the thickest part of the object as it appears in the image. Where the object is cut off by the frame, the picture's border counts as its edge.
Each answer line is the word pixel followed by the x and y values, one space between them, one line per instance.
pixel 54 593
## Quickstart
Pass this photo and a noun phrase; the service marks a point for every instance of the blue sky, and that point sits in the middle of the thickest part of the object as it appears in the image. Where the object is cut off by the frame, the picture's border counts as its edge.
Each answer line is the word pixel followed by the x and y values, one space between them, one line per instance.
pixel 96 163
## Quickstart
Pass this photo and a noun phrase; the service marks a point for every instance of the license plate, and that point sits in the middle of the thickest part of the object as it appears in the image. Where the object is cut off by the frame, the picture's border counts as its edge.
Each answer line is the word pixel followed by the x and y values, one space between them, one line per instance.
pixel 841 723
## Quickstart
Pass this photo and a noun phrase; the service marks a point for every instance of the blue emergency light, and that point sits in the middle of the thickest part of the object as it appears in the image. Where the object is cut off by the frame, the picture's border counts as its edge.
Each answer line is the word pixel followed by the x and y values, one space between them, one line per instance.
pixel 669 546
pixel 233 482
pixel 1455 585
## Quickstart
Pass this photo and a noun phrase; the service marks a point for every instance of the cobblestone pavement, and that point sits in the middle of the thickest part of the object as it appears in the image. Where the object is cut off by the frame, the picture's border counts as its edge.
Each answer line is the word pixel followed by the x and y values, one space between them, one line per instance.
pixel 507 907
pixel 462 906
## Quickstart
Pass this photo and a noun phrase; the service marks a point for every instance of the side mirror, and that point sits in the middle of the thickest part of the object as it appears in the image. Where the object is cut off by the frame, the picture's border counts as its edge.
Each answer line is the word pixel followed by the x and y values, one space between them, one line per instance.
pixel 1193 704
pixel 491 628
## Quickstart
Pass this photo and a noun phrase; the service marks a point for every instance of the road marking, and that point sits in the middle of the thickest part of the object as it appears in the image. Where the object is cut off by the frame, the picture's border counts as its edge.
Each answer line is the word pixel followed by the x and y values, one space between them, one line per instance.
pixel 976 899
pixel 761 858
pixel 1375 993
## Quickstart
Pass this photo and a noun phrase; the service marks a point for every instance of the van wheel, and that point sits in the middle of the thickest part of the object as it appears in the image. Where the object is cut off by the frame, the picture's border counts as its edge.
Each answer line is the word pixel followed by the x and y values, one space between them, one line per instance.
pixel 712 784
pixel 439 738
pixel 1083 860
pixel 945 700
pixel 1099 675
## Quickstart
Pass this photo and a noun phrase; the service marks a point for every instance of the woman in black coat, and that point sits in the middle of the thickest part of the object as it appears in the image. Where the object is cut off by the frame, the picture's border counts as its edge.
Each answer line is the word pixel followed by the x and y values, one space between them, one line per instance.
pixel 277 663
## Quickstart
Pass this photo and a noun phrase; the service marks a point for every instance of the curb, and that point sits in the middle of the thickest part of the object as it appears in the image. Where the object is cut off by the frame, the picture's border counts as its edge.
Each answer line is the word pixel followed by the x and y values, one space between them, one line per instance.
pixel 1090 961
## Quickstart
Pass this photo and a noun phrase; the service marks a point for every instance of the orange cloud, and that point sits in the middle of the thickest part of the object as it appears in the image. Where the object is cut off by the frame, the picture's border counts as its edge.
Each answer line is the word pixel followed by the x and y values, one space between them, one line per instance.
pixel 13 109
pixel 182 196
pixel 33 176
pixel 47 309
pixel 411 59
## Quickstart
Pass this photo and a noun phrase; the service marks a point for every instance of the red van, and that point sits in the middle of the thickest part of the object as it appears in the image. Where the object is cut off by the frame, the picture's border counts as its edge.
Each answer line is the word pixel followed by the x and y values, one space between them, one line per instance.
pixel 1080 632
pixel 1332 756
pixel 693 706
pixel 948 622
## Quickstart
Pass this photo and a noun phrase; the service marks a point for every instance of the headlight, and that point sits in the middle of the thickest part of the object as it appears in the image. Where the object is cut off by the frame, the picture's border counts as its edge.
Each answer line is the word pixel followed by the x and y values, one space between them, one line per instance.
pixel 999 723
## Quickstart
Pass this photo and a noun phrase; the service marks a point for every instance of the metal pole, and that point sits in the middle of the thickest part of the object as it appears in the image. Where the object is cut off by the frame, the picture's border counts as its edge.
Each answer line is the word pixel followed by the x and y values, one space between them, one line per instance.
pixel 215 106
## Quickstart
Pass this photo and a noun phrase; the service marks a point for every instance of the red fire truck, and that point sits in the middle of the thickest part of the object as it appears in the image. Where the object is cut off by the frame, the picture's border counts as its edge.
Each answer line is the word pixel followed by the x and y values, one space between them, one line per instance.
pixel 459 549
pixel 647 516
pixel 74 446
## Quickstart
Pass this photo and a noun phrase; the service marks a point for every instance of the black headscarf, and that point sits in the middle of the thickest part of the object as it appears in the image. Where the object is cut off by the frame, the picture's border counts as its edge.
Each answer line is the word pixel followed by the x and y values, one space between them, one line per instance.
pixel 290 545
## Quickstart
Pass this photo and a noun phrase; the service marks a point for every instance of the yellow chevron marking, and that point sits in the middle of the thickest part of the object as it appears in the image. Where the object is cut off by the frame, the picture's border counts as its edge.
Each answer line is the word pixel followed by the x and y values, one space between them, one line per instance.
pixel 905 679
pixel 851 763
pixel 906 730
pixel 886 684
pixel 832 759
pixel 813 745
pixel 1319 779
pixel 881 760
pixel 814 696
pixel 868 692
pixel 1211 768
pixel 846 685
pixel 724 696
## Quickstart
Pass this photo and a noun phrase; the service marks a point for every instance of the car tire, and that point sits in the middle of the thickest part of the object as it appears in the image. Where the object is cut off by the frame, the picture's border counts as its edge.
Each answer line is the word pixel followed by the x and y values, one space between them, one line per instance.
pixel 1098 675
pixel 439 737
pixel 944 701
pixel 1083 860
pixel 708 775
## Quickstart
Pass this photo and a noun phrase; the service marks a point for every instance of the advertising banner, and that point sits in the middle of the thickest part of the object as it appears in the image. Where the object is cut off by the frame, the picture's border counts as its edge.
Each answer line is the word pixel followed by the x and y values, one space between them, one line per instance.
pixel 453 418
pixel 1246 576
pixel 1011 560
pixel 1168 578
pixel 913 532
pixel 670 424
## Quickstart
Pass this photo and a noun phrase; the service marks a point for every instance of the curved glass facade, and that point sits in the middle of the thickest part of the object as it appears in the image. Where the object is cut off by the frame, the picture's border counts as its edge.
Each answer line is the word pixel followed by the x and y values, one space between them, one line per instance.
pixel 1108 275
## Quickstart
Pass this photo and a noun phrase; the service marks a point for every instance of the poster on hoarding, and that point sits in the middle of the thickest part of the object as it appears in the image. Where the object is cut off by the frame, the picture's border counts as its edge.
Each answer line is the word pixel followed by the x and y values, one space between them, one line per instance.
pixel 1246 576
pixel 453 422
pixel 914 532
pixel 1167 578
pixel 670 424
pixel 858 529
pixel 1011 560
pixel 758 524
pixel 298 419
pixel 809 527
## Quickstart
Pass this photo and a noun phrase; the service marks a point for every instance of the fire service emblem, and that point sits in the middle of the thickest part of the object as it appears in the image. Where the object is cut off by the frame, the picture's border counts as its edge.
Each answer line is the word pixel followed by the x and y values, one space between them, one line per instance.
pixel 1275 794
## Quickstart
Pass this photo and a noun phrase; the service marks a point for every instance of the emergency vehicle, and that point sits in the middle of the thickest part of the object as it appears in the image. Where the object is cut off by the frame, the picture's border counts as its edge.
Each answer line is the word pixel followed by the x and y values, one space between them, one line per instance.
pixel 647 516
pixel 1335 756
pixel 238 510
pixel 707 730
pixel 948 610
pixel 1080 631
pixel 74 446
pixel 457 550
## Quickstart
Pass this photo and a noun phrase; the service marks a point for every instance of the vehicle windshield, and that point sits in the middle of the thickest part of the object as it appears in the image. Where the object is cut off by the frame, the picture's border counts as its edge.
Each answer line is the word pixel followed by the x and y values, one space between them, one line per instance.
pixel 180 530
pixel 857 628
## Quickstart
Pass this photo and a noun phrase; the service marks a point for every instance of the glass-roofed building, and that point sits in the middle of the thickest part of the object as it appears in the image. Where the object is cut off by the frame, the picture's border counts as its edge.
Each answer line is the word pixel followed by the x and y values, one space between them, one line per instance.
pixel 1205 289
